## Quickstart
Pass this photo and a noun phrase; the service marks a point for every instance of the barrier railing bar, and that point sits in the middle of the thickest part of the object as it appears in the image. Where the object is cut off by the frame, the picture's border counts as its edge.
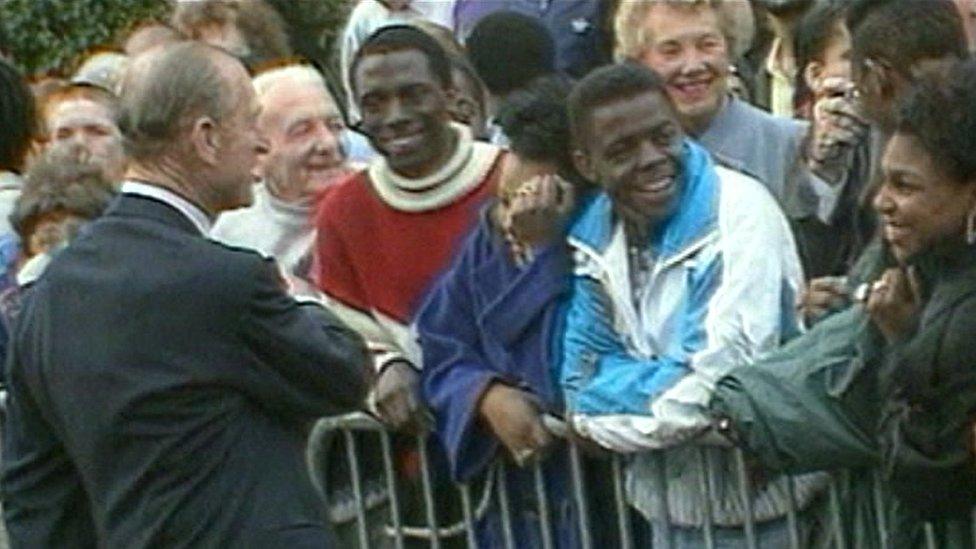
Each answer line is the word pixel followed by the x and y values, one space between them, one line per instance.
pixel 835 518
pixel 662 528
pixel 505 505
pixel 357 489
pixel 791 521
pixel 882 518
pixel 544 515
pixel 662 531
pixel 435 539
pixel 468 513
pixel 973 524
pixel 706 488
pixel 392 489
pixel 576 468
pixel 620 501
pixel 930 536
pixel 745 490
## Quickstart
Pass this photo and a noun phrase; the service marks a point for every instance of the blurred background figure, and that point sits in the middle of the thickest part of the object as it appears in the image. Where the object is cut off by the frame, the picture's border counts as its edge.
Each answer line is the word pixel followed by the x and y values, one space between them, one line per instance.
pixel 149 35
pixel 81 121
pixel 774 84
pixel 509 50
pixel 967 9
pixel 103 69
pixel 469 106
pixel 17 130
pixel 579 28
pixel 250 30
pixel 60 195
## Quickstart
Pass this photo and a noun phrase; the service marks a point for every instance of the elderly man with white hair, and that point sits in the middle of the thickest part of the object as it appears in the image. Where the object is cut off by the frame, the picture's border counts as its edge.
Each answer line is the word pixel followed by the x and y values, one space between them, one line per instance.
pixel 692 44
pixel 302 125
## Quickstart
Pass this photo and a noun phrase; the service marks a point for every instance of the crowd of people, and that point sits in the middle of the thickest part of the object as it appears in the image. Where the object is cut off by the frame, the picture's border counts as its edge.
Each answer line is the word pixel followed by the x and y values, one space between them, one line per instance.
pixel 662 221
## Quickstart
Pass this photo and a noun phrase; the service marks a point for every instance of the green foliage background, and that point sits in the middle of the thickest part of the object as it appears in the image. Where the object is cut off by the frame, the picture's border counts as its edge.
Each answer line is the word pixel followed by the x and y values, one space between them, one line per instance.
pixel 46 35
pixel 49 35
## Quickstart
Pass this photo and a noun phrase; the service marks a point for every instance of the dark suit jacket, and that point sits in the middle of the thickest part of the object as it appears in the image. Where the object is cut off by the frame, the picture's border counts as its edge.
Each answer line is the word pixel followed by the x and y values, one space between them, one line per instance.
pixel 161 385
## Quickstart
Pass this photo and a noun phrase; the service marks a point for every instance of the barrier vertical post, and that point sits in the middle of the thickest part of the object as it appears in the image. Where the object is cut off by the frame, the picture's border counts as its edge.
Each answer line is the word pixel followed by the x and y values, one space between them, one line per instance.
pixel 545 517
pixel 745 490
pixel 505 505
pixel 706 489
pixel 357 488
pixel 392 489
pixel 579 494
pixel 435 540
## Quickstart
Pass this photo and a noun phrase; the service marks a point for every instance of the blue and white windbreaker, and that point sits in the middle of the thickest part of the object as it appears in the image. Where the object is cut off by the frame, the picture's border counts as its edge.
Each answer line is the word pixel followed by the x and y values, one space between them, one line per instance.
pixel 721 291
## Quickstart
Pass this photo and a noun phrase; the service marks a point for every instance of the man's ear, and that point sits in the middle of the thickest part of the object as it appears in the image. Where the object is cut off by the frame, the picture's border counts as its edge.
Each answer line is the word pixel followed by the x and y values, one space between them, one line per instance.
pixel 811 75
pixel 584 165
pixel 205 140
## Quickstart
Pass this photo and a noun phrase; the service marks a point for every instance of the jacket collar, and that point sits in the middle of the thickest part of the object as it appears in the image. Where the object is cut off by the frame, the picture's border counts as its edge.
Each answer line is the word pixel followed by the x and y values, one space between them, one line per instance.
pixel 191 211
pixel 512 308
pixel 695 216
pixel 132 205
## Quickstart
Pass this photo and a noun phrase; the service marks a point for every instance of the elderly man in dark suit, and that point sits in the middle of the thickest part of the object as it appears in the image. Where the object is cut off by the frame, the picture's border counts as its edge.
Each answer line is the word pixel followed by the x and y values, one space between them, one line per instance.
pixel 161 383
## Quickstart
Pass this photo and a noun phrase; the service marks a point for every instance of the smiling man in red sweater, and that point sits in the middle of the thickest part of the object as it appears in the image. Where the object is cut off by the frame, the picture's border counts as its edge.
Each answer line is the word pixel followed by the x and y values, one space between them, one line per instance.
pixel 386 233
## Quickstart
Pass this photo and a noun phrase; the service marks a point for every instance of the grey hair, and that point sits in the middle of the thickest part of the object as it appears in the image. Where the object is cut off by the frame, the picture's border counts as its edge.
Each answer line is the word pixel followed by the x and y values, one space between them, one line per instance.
pixel 164 90
pixel 288 74
pixel 735 17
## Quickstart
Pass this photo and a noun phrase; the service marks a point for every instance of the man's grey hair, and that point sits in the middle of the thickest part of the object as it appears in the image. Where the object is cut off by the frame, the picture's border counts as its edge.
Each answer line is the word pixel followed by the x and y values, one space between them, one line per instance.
pixel 165 90
pixel 735 18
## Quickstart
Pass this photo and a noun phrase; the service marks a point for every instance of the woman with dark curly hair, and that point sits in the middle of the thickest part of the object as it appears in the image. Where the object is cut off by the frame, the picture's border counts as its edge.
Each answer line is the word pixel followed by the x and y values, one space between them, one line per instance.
pixel 925 308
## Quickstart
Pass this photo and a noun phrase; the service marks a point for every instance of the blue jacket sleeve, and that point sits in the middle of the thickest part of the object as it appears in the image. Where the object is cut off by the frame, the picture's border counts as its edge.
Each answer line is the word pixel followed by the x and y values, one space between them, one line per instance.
pixel 456 372
pixel 598 374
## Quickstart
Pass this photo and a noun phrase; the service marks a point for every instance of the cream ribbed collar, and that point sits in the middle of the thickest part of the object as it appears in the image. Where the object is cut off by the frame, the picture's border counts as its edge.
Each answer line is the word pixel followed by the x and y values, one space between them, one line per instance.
pixel 463 172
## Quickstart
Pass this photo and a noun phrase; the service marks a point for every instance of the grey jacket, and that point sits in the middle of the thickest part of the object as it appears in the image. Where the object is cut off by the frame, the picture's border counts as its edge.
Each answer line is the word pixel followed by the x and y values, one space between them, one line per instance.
pixel 768 148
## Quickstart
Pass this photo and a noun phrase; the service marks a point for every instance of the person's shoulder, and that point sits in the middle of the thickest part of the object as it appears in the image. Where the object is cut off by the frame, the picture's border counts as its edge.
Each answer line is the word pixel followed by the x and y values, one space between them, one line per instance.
pixel 786 128
pixel 366 17
pixel 343 201
pixel 742 195
pixel 351 189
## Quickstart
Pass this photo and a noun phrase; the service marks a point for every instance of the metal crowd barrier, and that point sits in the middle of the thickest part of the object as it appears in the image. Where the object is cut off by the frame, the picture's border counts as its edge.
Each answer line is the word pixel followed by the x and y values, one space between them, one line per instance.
pixel 435 534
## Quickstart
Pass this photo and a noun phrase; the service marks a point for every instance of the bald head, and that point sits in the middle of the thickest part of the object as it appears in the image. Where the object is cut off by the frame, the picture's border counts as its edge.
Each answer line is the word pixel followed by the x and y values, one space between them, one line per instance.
pixel 167 87
pixel 292 75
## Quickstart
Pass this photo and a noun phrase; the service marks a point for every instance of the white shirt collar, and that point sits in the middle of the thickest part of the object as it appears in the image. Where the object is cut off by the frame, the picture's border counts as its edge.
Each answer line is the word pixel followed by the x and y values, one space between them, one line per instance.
pixel 191 211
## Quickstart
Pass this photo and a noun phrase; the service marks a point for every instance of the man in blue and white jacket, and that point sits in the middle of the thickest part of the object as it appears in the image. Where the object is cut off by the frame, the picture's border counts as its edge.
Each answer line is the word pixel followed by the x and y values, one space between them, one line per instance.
pixel 682 269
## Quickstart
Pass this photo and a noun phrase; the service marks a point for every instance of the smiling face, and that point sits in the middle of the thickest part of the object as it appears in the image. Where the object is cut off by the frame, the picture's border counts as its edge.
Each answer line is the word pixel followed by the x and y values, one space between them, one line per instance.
pixel 633 150
pixel 302 125
pixel 405 111
pixel 922 208
pixel 687 48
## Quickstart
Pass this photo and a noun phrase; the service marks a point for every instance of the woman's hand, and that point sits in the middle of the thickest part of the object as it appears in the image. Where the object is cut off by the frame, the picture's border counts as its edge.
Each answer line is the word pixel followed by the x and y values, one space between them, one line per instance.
pixel 513 416
pixel 539 209
pixel 823 296
pixel 894 304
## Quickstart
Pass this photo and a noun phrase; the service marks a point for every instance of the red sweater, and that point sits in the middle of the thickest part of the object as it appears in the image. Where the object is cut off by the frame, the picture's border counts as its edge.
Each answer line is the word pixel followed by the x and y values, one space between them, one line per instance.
pixel 373 257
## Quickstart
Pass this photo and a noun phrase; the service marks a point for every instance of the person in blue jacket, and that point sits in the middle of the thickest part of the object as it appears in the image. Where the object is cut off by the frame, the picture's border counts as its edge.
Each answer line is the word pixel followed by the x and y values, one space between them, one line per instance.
pixel 487 327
